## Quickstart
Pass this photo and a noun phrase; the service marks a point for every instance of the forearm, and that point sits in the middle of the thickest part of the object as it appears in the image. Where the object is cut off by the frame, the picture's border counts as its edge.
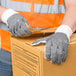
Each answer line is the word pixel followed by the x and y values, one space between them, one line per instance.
pixel 2 9
pixel 70 17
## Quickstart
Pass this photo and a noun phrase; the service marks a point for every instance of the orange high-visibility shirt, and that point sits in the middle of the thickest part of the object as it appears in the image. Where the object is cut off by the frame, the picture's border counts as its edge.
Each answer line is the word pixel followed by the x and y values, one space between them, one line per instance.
pixel 39 13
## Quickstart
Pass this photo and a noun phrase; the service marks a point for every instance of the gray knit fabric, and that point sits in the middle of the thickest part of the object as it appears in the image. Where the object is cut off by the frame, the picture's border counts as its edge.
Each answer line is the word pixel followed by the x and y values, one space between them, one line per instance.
pixel 56 47
pixel 17 26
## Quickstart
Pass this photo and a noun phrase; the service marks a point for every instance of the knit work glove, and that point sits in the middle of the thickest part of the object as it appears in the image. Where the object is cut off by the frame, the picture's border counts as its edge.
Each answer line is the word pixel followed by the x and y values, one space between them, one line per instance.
pixel 57 44
pixel 16 23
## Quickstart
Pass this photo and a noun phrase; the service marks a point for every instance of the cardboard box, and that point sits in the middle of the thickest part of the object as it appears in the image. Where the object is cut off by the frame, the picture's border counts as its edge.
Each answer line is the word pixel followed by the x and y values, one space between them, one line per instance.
pixel 29 60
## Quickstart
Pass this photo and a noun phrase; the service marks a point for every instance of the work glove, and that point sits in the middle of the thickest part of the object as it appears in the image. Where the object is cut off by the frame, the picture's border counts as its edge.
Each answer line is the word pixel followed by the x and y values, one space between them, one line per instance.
pixel 57 44
pixel 16 23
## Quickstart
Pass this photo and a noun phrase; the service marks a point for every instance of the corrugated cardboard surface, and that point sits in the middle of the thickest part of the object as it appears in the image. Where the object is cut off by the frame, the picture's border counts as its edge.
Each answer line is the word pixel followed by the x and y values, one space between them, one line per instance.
pixel 29 60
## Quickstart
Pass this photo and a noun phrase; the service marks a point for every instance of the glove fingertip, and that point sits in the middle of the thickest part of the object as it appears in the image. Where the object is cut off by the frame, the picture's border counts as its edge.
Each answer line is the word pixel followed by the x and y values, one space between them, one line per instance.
pixel 38 43
pixel 33 44
pixel 47 57
pixel 64 59
pixel 51 61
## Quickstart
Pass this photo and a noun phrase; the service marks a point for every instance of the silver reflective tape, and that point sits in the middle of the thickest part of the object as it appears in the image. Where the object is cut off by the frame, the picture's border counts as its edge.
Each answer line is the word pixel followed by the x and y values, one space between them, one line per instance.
pixel 41 8
pixel 56 2
pixel 50 9
pixel 62 9
pixel 3 2
pixel 18 6
pixel 38 8
pixel 0 2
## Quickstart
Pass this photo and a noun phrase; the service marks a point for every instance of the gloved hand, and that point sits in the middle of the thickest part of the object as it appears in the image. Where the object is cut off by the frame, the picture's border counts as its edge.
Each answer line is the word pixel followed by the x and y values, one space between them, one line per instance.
pixel 16 23
pixel 56 46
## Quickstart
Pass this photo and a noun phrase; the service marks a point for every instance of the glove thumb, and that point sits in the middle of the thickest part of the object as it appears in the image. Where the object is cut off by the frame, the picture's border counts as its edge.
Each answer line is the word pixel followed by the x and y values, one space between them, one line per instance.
pixel 39 41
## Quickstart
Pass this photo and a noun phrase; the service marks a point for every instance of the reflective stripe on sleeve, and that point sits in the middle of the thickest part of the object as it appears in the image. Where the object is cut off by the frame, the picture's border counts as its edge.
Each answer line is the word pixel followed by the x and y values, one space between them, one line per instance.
pixel 38 8
pixel 18 6
pixel 56 2
pixel 50 9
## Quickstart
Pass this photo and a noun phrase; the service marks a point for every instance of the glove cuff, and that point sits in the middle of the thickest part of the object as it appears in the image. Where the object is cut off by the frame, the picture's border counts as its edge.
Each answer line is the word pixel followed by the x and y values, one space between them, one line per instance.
pixel 65 29
pixel 8 13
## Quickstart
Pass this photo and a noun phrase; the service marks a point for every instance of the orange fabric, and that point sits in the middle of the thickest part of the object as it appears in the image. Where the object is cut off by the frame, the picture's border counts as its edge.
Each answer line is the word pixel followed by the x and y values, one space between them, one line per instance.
pixel 37 1
pixel 61 2
pixel 41 1
pixel 43 20
pixel 38 20
pixel 32 7
pixel 28 1
pixel 5 40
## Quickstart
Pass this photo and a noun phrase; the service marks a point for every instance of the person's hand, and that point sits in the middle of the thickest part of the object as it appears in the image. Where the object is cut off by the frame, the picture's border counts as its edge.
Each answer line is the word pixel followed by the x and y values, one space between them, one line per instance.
pixel 18 26
pixel 16 23
pixel 57 45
